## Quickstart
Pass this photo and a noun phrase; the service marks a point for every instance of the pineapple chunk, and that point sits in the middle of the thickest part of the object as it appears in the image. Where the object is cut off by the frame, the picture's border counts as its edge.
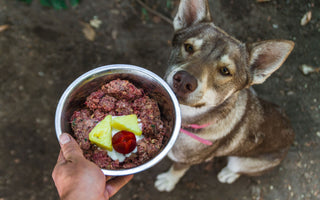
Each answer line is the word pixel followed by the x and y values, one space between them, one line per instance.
pixel 101 134
pixel 127 123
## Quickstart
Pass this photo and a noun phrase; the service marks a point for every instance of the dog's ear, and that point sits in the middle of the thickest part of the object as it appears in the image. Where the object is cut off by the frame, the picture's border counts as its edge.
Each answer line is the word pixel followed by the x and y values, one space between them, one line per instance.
pixel 191 12
pixel 266 57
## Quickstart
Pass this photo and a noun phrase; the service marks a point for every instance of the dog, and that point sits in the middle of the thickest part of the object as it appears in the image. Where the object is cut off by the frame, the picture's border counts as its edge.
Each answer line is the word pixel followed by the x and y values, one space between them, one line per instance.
pixel 211 74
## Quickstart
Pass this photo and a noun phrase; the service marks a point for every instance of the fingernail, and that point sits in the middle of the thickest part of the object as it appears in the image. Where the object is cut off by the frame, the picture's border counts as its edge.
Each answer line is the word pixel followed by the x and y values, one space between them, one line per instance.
pixel 64 138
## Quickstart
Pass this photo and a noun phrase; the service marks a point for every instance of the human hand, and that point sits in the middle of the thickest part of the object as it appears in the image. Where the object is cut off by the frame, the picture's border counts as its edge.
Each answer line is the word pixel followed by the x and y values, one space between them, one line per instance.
pixel 76 177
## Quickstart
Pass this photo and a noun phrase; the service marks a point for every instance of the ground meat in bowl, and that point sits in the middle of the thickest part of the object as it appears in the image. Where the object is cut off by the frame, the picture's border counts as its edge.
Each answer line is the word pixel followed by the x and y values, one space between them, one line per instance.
pixel 117 98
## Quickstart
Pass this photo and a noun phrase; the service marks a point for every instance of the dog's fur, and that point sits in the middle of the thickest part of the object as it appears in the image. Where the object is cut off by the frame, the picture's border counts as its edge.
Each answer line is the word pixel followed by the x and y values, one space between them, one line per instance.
pixel 211 74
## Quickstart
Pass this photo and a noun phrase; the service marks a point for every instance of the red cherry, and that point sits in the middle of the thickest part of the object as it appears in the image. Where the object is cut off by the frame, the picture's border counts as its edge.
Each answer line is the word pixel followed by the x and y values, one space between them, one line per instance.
pixel 124 142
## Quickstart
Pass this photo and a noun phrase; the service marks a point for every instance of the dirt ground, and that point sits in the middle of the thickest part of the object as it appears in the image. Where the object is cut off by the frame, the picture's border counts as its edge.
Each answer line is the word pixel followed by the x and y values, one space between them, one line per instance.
pixel 43 50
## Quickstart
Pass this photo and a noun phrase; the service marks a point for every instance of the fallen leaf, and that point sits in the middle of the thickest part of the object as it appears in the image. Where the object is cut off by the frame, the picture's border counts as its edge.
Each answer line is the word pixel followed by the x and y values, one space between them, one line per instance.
pixel 95 22
pixel 114 34
pixel 288 80
pixel 4 27
pixel 192 185
pixel 290 93
pixel 306 18
pixel 88 31
pixel 156 19
pixel 307 69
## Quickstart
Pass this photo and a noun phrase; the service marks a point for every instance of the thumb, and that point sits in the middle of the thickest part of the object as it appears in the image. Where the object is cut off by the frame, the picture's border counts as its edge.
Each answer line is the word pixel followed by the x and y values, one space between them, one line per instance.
pixel 69 147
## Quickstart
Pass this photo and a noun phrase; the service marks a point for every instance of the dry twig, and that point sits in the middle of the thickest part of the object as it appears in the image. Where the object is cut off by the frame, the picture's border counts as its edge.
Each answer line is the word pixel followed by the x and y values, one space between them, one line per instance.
pixel 166 19
pixel 4 27
pixel 306 18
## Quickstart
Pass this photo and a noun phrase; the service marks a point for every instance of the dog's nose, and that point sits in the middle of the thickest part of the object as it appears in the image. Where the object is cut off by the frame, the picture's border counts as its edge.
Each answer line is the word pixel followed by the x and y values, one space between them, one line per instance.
pixel 184 83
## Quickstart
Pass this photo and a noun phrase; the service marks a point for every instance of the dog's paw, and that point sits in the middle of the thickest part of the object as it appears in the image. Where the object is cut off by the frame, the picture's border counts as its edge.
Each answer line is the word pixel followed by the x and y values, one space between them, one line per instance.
pixel 227 176
pixel 166 182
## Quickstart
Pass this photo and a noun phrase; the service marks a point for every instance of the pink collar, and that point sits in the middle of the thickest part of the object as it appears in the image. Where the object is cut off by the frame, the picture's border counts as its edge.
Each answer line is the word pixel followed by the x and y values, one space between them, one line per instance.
pixel 196 126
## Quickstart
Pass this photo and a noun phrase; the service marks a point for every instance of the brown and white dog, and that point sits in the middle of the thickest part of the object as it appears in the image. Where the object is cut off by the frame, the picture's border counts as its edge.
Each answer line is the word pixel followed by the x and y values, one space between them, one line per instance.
pixel 211 73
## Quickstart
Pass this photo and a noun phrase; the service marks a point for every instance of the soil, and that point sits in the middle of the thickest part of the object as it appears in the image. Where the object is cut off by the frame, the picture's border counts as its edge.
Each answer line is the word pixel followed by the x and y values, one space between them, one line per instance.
pixel 43 50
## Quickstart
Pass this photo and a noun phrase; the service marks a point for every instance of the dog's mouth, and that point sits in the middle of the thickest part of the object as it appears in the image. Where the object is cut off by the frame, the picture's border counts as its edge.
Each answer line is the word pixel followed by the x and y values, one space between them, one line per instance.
pixel 195 105
pixel 188 99
pixel 198 105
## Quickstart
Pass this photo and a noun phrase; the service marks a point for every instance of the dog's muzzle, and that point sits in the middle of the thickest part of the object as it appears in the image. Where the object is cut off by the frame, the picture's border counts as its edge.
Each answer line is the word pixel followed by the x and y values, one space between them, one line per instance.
pixel 184 83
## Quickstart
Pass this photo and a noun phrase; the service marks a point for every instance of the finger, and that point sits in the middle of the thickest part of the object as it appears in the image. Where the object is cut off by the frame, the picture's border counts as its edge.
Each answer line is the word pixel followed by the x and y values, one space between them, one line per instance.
pixel 69 147
pixel 61 158
pixel 60 161
pixel 115 184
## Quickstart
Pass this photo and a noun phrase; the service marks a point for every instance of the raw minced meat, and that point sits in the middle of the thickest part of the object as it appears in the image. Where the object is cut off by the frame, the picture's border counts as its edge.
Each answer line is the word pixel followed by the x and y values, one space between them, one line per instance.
pixel 122 90
pixel 117 98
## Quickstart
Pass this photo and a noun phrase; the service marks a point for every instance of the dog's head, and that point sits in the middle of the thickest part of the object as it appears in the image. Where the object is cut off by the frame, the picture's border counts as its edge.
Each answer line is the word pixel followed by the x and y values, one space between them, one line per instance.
pixel 207 65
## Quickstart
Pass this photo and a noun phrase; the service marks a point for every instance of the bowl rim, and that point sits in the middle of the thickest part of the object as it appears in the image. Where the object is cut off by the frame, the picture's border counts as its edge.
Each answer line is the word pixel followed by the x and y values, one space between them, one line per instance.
pixel 175 130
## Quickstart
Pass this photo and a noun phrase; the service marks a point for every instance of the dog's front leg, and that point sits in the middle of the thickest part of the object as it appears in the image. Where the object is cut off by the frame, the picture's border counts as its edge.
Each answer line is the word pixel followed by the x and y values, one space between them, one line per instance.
pixel 168 180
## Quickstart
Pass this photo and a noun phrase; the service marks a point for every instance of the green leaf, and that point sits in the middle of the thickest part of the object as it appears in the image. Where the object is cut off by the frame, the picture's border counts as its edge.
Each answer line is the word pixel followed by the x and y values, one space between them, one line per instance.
pixel 59 4
pixel 74 3
pixel 46 3
pixel 145 14
pixel 56 4
pixel 27 1
pixel 169 4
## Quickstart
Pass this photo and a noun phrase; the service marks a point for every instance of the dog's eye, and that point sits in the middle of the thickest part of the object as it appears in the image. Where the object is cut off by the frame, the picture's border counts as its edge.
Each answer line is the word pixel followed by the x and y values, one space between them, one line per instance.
pixel 225 71
pixel 189 48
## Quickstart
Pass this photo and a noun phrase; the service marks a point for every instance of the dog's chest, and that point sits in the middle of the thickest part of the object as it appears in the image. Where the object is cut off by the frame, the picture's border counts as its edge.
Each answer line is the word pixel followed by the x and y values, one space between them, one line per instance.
pixel 188 150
